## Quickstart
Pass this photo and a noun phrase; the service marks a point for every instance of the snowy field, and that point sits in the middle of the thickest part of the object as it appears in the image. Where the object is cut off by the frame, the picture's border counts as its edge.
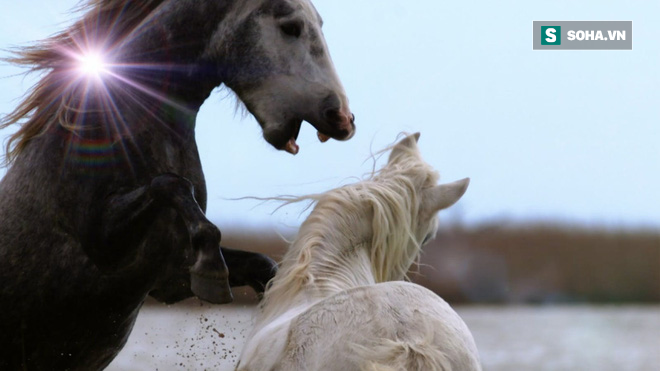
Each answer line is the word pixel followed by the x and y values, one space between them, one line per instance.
pixel 196 336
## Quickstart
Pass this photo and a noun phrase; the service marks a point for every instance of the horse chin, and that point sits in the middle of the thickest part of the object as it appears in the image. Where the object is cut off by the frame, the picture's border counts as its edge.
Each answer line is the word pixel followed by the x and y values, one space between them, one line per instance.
pixel 283 137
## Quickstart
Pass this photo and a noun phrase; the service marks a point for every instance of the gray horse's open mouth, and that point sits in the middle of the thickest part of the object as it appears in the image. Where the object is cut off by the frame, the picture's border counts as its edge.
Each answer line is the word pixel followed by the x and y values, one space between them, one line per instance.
pixel 292 146
pixel 287 139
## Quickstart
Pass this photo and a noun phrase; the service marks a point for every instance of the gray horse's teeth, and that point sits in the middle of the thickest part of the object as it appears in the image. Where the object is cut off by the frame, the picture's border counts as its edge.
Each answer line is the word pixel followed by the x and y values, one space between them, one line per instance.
pixel 292 147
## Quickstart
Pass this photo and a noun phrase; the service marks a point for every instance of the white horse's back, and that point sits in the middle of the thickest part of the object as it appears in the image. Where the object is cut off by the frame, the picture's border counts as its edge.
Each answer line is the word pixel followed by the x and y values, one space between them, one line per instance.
pixel 388 326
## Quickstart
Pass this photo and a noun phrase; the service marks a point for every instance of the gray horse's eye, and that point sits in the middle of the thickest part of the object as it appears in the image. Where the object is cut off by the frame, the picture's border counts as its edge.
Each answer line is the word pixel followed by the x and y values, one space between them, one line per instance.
pixel 292 28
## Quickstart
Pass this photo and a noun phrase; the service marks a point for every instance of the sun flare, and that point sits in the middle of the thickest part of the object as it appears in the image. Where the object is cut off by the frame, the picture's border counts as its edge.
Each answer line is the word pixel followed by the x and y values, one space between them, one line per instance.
pixel 92 64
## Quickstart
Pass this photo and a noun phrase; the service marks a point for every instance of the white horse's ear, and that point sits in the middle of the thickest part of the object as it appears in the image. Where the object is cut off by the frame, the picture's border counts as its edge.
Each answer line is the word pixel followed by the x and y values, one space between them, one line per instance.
pixel 405 145
pixel 444 195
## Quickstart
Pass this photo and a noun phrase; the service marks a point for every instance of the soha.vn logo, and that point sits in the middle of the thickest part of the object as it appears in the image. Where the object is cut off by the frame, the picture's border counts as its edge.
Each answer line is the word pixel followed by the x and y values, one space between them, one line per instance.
pixel 582 35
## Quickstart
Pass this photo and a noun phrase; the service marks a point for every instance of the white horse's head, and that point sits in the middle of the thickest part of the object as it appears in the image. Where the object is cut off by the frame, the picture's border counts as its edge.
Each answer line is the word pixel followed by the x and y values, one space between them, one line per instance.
pixel 278 64
pixel 405 211
pixel 405 158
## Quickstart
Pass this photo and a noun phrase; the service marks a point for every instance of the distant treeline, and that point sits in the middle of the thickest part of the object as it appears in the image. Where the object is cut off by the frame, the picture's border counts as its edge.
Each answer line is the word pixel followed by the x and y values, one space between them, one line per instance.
pixel 522 264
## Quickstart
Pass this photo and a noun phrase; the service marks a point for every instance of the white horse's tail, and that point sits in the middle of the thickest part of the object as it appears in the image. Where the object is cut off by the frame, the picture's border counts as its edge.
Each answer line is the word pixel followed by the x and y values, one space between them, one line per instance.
pixel 390 355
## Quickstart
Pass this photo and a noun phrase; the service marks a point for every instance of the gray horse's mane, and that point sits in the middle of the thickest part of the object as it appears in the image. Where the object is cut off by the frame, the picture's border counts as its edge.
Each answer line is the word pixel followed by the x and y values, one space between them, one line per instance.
pixel 48 101
pixel 391 194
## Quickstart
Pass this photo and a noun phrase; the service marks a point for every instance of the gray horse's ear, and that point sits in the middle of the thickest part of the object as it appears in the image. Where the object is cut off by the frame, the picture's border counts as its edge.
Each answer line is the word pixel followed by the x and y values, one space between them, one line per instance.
pixel 444 195
pixel 405 145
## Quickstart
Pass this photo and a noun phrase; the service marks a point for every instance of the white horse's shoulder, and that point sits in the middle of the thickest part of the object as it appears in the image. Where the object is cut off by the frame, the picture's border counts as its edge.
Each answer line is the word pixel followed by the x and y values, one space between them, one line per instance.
pixel 264 350
pixel 374 323
pixel 265 346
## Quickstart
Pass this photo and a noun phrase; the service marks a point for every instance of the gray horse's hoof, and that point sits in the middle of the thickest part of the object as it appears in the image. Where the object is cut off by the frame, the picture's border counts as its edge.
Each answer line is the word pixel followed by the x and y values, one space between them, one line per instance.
pixel 213 290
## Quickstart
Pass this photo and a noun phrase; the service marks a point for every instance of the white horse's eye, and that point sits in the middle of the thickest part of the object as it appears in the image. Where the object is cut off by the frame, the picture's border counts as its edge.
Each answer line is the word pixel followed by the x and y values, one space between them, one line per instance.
pixel 292 28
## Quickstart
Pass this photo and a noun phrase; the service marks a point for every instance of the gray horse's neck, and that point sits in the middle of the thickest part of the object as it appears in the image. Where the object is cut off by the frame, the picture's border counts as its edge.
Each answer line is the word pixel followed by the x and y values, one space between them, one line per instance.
pixel 158 82
pixel 170 71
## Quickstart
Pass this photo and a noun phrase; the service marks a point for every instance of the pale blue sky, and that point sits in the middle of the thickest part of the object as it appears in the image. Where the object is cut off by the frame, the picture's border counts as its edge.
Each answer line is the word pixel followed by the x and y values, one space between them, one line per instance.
pixel 569 136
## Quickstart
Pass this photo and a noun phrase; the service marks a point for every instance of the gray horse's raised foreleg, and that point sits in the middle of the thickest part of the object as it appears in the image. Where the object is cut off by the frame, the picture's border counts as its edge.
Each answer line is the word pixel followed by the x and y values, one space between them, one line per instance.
pixel 129 214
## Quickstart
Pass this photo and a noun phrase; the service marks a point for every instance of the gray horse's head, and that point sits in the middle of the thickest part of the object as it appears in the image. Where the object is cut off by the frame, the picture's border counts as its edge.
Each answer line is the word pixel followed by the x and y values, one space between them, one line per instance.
pixel 275 58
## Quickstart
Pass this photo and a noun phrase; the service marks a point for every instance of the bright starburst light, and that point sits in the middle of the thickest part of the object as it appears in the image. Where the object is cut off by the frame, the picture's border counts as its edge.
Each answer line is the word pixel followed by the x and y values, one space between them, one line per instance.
pixel 92 64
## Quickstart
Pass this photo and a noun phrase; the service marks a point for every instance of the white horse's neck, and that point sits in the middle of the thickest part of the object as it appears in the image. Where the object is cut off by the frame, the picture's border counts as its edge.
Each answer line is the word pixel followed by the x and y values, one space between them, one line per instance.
pixel 347 269
pixel 310 274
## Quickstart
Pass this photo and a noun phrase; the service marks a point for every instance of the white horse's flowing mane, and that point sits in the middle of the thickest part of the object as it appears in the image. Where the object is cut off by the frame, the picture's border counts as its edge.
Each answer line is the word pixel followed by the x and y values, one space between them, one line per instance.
pixel 391 196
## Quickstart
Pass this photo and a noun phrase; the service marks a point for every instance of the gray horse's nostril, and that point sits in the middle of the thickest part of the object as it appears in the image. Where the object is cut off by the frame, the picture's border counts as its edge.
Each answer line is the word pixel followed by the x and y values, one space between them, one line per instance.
pixel 352 118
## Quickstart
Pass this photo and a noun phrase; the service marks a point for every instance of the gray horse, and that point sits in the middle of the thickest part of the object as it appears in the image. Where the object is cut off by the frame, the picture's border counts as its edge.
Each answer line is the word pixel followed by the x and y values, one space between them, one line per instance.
pixel 103 202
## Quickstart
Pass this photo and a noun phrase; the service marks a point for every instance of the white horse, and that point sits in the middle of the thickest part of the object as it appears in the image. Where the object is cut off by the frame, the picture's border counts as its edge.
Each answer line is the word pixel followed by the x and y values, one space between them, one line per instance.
pixel 338 302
